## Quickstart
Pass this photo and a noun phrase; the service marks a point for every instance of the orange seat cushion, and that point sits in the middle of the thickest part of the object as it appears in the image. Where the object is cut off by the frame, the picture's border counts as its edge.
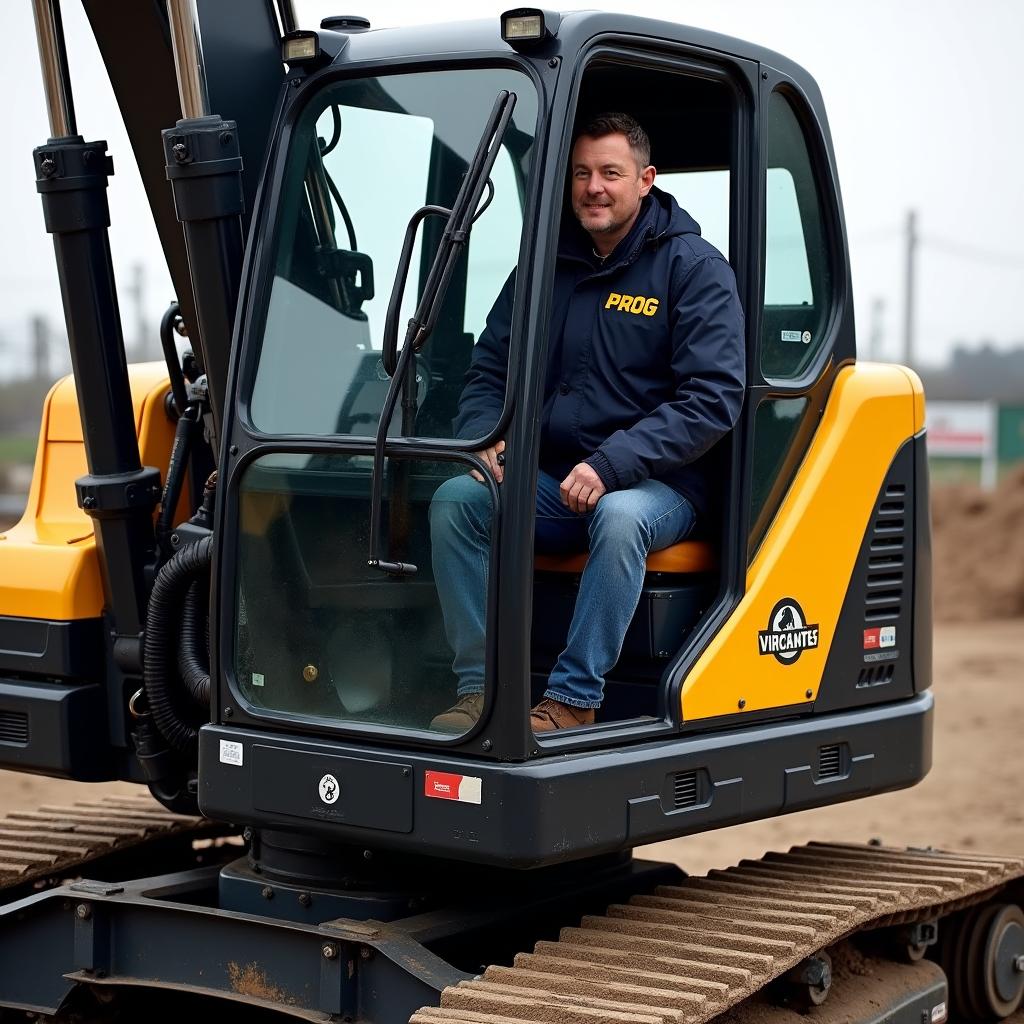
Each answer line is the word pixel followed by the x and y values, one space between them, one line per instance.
pixel 689 556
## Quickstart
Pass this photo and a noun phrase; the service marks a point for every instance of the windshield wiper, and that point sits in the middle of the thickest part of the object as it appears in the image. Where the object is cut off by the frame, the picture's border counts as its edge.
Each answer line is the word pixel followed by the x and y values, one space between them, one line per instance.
pixel 456 233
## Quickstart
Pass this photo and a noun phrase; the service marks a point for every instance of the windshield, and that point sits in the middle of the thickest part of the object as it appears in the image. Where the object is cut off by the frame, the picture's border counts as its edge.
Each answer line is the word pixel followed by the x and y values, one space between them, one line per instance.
pixel 365 155
pixel 319 633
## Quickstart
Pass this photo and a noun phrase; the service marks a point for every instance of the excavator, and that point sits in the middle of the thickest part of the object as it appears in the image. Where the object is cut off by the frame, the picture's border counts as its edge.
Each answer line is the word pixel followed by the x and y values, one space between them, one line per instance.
pixel 221 589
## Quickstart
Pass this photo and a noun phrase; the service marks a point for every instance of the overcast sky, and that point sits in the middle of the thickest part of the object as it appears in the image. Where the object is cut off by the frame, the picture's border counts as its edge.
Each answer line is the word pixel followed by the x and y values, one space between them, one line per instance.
pixel 924 102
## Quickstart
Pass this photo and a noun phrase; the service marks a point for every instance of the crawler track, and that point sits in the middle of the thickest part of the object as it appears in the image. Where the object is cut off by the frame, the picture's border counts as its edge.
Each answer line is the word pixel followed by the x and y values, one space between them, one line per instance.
pixel 56 842
pixel 688 953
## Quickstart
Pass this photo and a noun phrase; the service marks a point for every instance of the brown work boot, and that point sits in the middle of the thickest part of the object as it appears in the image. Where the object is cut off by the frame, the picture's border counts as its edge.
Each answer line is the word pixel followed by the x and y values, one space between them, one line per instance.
pixel 550 714
pixel 462 717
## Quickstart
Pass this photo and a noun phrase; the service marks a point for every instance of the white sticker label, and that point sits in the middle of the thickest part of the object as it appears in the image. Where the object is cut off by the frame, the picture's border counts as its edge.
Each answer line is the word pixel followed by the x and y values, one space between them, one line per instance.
pixel 329 789
pixel 938 1013
pixel 471 790
pixel 230 752
pixel 791 336
pixel 806 337
pixel 257 679
pixel 887 636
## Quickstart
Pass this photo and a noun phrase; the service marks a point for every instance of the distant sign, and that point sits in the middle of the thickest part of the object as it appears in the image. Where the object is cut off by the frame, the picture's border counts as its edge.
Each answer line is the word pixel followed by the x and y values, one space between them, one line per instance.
pixel 961 428
pixel 964 430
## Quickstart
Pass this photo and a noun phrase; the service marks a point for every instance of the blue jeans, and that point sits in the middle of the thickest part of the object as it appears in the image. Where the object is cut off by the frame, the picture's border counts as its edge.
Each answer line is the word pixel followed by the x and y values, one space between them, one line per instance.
pixel 620 532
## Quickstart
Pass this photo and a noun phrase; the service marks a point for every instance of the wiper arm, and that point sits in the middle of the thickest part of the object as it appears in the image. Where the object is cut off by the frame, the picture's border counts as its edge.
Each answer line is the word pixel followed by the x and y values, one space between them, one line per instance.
pixel 456 234
pixel 453 241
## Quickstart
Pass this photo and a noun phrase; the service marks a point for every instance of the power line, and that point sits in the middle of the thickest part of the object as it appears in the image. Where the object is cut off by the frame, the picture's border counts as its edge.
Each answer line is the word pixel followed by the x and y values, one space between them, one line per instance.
pixel 947 245
pixel 972 252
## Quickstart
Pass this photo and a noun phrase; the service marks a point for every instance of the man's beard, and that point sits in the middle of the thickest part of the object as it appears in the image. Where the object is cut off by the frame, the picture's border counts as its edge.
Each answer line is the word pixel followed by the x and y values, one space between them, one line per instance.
pixel 607 229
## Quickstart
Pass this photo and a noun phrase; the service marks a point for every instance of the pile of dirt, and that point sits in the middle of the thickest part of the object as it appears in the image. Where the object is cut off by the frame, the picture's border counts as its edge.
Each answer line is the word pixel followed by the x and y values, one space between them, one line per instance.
pixel 978 551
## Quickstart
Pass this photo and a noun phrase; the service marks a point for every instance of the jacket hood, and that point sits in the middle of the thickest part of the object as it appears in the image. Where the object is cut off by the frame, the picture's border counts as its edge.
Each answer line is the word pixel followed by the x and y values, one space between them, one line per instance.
pixel 660 217
pixel 668 216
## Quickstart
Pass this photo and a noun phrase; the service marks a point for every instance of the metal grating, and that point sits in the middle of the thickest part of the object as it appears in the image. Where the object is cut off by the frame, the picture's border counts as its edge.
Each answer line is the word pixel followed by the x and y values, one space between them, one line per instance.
pixel 876 675
pixel 830 762
pixel 883 599
pixel 685 790
pixel 14 728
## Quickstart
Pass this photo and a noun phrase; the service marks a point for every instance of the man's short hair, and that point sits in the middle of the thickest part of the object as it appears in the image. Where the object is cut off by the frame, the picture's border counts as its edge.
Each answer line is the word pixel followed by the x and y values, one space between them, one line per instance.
pixel 615 124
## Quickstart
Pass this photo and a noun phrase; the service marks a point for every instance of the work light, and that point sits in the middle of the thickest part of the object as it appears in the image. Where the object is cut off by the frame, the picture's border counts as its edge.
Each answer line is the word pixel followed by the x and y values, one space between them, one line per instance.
pixel 300 47
pixel 526 26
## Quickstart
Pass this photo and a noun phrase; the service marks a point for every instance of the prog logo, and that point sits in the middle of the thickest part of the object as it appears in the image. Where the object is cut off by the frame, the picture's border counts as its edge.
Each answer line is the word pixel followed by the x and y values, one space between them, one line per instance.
pixel 789 633
pixel 329 789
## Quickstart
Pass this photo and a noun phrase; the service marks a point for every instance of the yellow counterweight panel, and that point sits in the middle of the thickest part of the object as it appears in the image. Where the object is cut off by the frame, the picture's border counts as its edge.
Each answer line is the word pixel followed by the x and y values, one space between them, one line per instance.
pixel 48 563
pixel 810 550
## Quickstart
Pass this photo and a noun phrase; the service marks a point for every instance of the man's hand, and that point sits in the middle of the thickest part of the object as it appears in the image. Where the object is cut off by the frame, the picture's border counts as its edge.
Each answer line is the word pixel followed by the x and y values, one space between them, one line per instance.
pixel 582 489
pixel 490 456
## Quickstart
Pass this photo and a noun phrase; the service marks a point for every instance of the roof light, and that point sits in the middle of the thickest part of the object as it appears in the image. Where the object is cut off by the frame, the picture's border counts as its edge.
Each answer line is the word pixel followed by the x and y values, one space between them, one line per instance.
pixel 527 26
pixel 522 26
pixel 300 47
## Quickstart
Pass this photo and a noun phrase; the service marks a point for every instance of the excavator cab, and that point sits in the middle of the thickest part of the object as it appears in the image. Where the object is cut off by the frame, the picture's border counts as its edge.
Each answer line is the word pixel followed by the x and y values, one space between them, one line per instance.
pixel 271 649
pixel 404 190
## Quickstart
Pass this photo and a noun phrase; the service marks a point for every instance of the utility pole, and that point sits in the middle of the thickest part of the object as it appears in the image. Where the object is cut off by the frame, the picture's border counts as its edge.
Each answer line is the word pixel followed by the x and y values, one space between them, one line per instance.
pixel 137 292
pixel 909 355
pixel 877 329
pixel 40 330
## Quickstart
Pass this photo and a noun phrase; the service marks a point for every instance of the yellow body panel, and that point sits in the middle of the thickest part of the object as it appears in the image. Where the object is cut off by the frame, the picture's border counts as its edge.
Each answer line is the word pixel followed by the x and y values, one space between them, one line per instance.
pixel 810 550
pixel 48 563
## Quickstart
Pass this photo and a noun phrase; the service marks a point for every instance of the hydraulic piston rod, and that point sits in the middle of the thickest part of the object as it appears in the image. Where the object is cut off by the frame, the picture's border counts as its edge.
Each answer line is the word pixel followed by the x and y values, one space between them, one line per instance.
pixel 54 64
pixel 188 58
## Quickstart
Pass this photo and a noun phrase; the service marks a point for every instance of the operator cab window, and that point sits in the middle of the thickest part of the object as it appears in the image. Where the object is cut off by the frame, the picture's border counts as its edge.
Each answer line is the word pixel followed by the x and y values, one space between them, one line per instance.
pixel 323 637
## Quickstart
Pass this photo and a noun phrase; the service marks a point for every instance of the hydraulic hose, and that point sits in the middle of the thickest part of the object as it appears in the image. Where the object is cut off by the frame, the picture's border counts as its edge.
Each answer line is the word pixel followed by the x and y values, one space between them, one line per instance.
pixel 163 624
pixel 194 652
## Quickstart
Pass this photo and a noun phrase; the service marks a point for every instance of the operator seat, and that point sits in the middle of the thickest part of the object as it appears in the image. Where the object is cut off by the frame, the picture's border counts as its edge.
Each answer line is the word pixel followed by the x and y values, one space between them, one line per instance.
pixel 689 556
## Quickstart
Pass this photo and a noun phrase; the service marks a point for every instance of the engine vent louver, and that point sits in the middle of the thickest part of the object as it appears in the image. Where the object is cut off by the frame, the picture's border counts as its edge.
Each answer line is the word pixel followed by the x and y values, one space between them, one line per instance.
pixel 685 790
pixel 830 762
pixel 883 599
pixel 876 675
pixel 14 728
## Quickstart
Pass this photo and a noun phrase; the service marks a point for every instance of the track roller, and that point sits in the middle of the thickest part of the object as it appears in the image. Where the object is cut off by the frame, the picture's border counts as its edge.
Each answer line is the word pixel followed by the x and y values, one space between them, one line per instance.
pixel 808 984
pixel 983 958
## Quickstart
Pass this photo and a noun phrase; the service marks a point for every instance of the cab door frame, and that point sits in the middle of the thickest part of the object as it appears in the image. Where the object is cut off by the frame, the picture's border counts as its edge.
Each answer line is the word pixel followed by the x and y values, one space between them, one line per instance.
pixel 741 76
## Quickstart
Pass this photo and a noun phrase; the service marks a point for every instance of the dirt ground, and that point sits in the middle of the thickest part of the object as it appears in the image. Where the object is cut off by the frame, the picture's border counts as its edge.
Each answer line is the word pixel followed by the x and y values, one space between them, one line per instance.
pixel 971 799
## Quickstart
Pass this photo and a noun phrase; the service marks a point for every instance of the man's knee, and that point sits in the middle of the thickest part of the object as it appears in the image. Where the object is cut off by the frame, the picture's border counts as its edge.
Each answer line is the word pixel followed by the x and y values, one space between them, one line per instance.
pixel 619 518
pixel 458 502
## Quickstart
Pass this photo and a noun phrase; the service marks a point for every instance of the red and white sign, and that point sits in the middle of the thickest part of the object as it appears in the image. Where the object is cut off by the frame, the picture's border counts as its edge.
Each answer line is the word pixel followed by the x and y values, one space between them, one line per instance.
pixel 445 786
pixel 961 428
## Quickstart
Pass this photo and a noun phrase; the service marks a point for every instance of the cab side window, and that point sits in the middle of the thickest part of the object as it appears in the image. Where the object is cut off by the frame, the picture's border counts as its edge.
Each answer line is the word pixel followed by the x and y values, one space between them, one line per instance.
pixel 798 271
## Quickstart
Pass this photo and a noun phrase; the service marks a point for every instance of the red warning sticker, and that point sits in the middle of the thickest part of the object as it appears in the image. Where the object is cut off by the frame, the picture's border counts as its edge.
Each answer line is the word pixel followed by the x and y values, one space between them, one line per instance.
pixel 871 639
pixel 446 786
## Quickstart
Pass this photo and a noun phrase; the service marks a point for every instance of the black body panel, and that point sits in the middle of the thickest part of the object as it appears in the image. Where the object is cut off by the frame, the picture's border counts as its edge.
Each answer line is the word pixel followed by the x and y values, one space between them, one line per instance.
pixel 576 806
pixel 47 647
pixel 873 657
pixel 922 568
pixel 55 728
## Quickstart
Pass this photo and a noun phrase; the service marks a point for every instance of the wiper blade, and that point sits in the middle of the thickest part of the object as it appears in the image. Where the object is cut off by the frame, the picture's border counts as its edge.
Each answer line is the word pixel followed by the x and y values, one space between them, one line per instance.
pixel 456 234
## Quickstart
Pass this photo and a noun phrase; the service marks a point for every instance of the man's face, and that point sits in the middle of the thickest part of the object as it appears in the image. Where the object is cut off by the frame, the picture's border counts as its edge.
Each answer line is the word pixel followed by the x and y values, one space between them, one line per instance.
pixel 607 186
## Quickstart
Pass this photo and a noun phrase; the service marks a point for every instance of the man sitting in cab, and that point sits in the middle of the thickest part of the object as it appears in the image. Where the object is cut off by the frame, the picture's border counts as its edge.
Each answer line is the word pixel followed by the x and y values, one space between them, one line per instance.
pixel 645 375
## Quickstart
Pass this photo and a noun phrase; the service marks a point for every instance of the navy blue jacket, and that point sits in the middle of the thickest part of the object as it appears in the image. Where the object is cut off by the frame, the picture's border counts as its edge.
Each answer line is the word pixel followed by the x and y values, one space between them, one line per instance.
pixel 646 367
